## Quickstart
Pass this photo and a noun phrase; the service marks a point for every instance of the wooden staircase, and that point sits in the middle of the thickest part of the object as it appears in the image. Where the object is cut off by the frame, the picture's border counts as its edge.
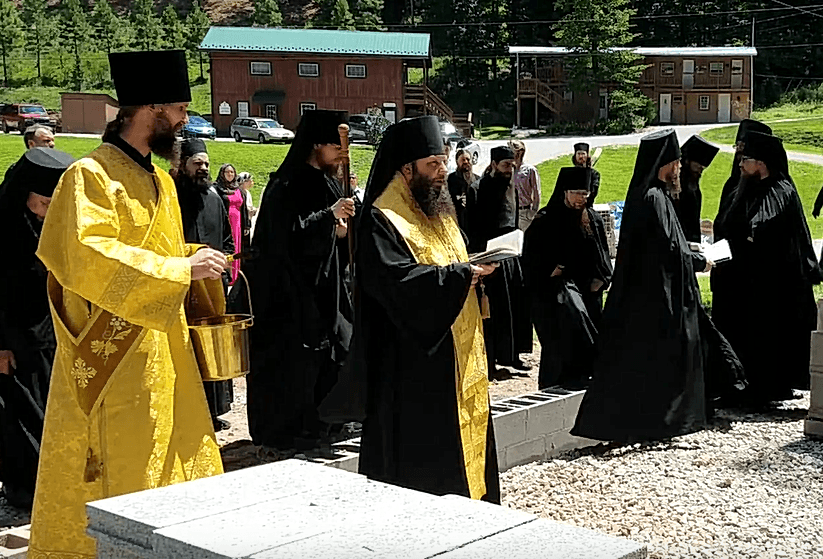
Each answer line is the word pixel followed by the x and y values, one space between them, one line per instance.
pixel 424 101
pixel 547 96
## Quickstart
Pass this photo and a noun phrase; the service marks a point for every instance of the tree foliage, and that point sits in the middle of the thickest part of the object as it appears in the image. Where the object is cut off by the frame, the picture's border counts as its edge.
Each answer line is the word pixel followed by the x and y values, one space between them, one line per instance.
pixel 267 13
pixel 368 14
pixel 111 32
pixel 11 36
pixel 37 29
pixel 145 21
pixel 75 32
pixel 197 25
pixel 174 31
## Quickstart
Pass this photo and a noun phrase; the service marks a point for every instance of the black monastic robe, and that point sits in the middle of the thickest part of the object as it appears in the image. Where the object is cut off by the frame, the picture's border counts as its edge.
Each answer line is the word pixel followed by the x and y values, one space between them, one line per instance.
pixel 767 317
pixel 492 211
pixel 648 380
pixel 411 435
pixel 459 189
pixel 206 222
pixel 565 311
pixel 688 204
pixel 303 310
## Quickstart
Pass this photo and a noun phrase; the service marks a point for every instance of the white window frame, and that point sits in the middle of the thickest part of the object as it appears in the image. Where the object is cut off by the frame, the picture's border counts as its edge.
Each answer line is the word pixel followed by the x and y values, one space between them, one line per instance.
pixel 704 106
pixel 352 75
pixel 263 68
pixel 664 69
pixel 304 72
pixel 713 65
pixel 307 106
pixel 268 114
pixel 737 66
pixel 242 109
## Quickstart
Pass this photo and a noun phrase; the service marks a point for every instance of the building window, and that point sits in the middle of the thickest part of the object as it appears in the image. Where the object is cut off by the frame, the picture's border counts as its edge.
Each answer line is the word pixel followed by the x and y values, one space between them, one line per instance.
pixel 260 68
pixel 271 112
pixel 677 99
pixel 737 66
pixel 568 96
pixel 307 70
pixel 355 70
pixel 242 108
pixel 703 103
pixel 715 68
pixel 307 107
pixel 667 68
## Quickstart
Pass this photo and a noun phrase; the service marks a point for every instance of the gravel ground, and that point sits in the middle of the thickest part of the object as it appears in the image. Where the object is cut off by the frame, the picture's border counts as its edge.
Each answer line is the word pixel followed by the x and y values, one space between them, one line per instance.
pixel 753 490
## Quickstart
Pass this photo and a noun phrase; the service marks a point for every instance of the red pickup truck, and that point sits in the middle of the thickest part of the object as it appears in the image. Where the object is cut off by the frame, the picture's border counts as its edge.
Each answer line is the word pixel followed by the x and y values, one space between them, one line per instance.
pixel 19 116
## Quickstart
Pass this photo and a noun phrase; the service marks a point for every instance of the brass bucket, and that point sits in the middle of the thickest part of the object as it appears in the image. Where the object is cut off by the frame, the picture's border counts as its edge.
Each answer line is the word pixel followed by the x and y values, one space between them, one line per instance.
pixel 221 343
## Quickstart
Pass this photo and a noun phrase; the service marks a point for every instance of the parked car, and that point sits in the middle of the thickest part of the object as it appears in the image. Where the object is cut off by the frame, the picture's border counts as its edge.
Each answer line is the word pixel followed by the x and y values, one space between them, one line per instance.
pixel 470 146
pixel 358 127
pixel 19 116
pixel 449 131
pixel 261 129
pixel 199 127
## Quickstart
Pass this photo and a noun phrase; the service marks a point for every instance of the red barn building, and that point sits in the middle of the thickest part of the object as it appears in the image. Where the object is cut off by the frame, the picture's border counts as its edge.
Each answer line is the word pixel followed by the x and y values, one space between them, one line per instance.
pixel 279 73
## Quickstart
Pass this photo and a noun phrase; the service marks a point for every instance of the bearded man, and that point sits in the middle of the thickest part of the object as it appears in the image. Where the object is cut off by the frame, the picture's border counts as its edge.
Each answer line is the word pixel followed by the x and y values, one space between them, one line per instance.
pixel 648 380
pixel 688 203
pixel 581 158
pixel 420 339
pixel 493 211
pixel 770 315
pixel 126 409
pixel 205 222
pixel 303 313
pixel 459 182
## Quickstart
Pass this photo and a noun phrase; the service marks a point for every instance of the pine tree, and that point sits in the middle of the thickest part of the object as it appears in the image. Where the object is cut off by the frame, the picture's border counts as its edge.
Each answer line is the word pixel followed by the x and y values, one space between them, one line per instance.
pixel 145 21
pixel 267 13
pixel 197 25
pixel 341 17
pixel 368 14
pixel 37 29
pixel 11 36
pixel 74 31
pixel 111 31
pixel 174 32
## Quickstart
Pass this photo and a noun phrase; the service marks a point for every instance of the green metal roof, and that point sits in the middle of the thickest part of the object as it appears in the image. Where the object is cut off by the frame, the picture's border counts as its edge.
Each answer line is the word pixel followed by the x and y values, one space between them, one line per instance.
pixel 318 41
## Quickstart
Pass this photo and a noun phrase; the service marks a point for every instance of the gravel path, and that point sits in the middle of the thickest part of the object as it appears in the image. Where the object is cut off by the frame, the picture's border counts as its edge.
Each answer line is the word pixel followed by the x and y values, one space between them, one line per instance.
pixel 753 490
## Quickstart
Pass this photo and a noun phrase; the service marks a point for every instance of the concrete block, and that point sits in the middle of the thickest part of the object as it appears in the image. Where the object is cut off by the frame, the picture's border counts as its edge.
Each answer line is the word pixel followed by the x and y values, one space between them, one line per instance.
pixel 510 428
pixel 817 349
pixel 813 428
pixel 14 542
pixel 525 452
pixel 816 400
pixel 545 418
pixel 547 539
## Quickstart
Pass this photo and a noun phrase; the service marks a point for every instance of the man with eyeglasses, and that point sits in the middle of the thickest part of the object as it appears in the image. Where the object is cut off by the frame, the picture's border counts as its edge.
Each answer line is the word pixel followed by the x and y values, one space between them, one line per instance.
pixel 567 268
pixel 769 315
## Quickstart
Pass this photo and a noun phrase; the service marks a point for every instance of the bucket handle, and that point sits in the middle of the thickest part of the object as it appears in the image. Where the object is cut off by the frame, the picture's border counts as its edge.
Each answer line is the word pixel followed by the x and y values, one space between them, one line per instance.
pixel 248 293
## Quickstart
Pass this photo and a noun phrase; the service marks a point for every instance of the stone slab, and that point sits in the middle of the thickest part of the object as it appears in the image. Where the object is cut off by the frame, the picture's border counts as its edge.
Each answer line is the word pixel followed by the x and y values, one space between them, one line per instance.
pixel 817 349
pixel 14 542
pixel 813 428
pixel 816 399
pixel 545 539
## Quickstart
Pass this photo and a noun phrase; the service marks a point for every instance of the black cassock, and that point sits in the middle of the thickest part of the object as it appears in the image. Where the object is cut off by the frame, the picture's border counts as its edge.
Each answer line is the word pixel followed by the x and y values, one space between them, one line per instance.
pixel 303 311
pixel 565 311
pixel 648 380
pixel 405 348
pixel 763 301
pixel 206 222
pixel 491 212
pixel 459 189
pixel 687 206
pixel 25 329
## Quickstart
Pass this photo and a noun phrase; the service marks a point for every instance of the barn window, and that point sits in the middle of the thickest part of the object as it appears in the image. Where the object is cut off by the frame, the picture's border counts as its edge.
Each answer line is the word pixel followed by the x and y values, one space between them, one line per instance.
pixel 242 108
pixel 703 103
pixel 737 66
pixel 260 68
pixel 307 107
pixel 308 70
pixel 715 68
pixel 667 68
pixel 355 70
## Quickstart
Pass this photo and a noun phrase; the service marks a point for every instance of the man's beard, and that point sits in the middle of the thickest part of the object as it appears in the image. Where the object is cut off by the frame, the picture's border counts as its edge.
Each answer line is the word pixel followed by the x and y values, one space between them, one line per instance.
pixel 434 200
pixel 673 184
pixel 163 141
pixel 200 181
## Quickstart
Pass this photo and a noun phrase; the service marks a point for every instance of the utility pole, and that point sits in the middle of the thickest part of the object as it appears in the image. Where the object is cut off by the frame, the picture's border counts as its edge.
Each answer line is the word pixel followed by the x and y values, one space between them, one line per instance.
pixel 751 72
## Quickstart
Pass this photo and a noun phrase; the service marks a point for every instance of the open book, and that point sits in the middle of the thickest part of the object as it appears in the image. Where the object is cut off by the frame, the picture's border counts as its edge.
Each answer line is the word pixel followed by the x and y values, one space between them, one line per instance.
pixel 717 253
pixel 500 248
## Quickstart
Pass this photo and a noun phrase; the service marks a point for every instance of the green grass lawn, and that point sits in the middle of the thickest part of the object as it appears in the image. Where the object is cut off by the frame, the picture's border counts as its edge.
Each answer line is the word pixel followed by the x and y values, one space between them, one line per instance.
pixel 802 135
pixel 788 110
pixel 493 133
pixel 617 163
pixel 260 160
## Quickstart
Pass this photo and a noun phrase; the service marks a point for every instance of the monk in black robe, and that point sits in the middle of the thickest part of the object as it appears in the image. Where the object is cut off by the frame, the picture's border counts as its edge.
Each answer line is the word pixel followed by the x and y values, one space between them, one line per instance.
pixel 697 154
pixel 581 158
pixel 205 221
pixel 567 268
pixel 648 380
pixel 771 313
pixel 27 342
pixel 419 333
pixel 459 183
pixel 302 306
pixel 492 211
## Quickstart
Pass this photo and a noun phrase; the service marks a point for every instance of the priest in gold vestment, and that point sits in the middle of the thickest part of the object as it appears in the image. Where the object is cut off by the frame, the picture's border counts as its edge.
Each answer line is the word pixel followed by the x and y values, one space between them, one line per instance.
pixel 419 336
pixel 126 410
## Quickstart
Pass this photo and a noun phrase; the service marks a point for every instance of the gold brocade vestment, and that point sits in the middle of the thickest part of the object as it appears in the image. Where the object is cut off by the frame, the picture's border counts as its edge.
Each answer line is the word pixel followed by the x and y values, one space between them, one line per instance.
pixel 113 244
pixel 439 242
